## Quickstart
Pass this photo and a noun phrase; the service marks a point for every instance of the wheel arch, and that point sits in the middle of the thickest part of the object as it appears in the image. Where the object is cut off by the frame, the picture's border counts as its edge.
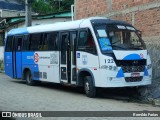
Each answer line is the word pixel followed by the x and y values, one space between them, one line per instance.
pixel 82 73
pixel 24 72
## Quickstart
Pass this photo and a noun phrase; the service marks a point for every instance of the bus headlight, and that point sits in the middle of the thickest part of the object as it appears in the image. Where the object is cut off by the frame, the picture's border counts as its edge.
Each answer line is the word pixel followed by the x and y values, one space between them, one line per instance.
pixel 149 66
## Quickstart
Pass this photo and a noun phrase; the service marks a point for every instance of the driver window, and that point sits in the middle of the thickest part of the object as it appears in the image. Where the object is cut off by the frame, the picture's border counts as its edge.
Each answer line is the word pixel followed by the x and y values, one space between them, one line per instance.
pixel 86 42
pixel 135 40
pixel 116 38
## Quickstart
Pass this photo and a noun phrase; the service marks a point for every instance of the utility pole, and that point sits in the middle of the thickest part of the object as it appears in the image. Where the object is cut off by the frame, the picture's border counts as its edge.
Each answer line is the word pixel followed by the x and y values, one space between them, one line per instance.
pixel 75 6
pixel 28 16
pixel 72 12
pixel 59 5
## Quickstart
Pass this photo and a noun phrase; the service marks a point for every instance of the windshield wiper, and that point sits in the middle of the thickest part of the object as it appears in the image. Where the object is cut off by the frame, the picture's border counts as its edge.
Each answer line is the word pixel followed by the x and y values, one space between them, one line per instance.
pixel 135 47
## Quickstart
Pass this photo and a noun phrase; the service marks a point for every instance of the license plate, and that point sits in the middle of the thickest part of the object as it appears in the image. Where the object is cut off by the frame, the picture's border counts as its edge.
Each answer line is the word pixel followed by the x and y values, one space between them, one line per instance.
pixel 135 75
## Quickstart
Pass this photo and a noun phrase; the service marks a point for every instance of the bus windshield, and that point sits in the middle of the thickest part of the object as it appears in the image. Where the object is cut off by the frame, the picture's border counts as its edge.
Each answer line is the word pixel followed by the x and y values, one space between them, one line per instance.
pixel 118 37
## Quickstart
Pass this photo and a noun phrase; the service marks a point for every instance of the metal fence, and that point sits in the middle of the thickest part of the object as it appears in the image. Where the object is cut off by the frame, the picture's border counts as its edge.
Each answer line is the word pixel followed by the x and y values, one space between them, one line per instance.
pixel 153 46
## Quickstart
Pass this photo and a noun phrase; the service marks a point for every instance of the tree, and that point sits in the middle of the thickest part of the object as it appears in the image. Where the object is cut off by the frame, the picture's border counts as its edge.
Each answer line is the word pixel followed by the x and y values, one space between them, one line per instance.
pixel 41 7
pixel 66 4
pixel 51 6
pixel 62 5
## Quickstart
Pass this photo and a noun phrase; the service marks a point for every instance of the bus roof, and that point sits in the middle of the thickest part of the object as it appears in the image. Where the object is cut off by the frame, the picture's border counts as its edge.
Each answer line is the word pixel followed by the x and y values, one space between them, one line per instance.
pixel 60 26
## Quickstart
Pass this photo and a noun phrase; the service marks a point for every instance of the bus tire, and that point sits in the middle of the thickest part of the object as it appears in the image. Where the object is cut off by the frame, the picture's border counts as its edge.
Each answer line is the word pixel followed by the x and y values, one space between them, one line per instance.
pixel 29 79
pixel 89 88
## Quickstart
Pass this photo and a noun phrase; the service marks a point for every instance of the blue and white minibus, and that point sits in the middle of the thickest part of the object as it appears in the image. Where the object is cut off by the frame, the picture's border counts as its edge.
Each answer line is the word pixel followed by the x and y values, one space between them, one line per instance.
pixel 93 52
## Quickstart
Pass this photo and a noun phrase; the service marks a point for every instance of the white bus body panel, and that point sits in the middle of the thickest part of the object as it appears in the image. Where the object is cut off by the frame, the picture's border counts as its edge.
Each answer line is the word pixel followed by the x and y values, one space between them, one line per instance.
pixel 48 62
pixel 108 78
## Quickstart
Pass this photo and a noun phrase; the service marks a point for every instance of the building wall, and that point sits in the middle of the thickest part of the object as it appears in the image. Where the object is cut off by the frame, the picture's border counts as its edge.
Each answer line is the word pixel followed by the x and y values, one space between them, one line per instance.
pixel 143 14
pixel 12 13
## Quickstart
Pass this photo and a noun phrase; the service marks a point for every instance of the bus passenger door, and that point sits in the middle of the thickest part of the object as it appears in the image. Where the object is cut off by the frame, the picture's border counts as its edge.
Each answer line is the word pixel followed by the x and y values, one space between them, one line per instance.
pixel 17 57
pixel 68 57
pixel 63 58
pixel 73 41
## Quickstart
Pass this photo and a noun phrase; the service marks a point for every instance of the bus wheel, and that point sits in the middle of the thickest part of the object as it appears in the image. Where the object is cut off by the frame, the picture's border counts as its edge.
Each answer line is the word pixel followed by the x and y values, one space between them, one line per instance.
pixel 89 88
pixel 29 79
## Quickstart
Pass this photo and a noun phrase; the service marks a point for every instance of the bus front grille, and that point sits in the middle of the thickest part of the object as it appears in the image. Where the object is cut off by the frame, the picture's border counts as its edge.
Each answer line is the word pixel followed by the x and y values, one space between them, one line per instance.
pixel 133 79
pixel 129 69
pixel 131 62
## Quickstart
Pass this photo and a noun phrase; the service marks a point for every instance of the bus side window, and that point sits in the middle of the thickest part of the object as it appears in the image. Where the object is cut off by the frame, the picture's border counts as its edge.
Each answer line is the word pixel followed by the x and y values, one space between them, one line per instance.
pixel 45 42
pixel 36 41
pixel 19 43
pixel 52 41
pixel 9 44
pixel 86 42
pixel 40 42
pixel 26 43
pixel 73 38
pixel 82 41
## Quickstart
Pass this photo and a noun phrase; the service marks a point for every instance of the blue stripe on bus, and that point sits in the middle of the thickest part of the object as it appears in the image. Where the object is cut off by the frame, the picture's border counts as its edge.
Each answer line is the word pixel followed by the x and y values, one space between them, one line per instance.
pixel 18 31
pixel 120 73
pixel 8 64
pixel 18 65
pixel 28 62
pixel 132 57
pixel 146 72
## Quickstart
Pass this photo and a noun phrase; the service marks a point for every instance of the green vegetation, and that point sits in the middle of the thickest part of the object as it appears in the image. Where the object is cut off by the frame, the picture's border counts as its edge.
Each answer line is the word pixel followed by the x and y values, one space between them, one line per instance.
pixel 51 6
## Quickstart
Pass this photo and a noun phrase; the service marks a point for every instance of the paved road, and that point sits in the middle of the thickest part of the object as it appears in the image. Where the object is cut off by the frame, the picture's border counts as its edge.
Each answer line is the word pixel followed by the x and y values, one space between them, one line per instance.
pixel 15 95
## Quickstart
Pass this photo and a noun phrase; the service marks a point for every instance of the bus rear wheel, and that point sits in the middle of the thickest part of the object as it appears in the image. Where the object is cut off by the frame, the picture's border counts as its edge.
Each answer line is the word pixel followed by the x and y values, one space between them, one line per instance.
pixel 29 79
pixel 89 88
